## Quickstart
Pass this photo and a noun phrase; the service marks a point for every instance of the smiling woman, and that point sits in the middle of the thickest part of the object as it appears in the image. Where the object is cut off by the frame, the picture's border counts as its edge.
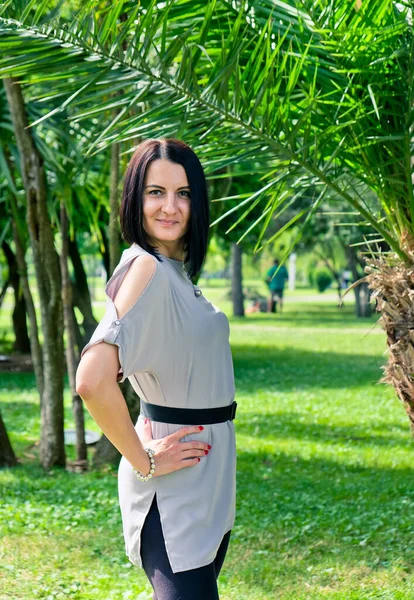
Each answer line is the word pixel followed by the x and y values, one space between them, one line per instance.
pixel 177 475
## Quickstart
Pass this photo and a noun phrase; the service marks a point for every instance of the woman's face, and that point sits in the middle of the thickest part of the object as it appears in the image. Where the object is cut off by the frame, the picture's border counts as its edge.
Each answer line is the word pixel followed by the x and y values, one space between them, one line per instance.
pixel 166 204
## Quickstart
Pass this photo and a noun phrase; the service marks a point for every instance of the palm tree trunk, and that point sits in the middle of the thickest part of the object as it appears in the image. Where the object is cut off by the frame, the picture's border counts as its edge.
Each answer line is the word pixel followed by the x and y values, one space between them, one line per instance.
pixel 46 262
pixel 71 362
pixel 392 283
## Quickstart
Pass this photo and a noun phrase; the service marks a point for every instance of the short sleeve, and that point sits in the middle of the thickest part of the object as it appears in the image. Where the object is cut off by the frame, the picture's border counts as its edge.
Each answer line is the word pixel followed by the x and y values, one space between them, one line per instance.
pixel 130 333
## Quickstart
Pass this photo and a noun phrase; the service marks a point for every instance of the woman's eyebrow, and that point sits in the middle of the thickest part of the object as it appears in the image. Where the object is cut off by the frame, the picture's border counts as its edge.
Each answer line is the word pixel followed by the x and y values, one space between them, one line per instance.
pixel 162 188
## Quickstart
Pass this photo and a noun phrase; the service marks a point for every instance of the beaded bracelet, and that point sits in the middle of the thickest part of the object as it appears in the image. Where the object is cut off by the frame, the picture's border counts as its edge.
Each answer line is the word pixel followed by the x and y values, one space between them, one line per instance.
pixel 140 475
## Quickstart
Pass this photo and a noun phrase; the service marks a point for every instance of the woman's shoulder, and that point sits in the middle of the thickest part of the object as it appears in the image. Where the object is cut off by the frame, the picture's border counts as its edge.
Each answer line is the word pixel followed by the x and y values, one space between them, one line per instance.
pixel 137 273
pixel 133 251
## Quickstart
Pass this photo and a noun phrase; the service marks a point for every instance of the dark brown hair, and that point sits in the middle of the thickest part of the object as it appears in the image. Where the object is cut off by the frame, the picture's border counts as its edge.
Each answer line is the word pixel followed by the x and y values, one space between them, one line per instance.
pixel 131 211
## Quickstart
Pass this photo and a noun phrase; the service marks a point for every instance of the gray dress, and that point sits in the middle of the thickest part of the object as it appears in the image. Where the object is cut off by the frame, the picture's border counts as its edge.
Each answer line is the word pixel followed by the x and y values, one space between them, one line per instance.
pixel 174 349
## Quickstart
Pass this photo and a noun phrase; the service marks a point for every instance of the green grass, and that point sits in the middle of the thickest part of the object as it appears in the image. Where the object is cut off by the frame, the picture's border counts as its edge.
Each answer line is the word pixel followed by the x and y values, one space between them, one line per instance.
pixel 325 477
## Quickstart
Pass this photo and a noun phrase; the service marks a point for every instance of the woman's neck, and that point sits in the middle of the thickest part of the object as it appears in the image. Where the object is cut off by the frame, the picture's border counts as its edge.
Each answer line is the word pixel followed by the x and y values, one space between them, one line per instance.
pixel 175 253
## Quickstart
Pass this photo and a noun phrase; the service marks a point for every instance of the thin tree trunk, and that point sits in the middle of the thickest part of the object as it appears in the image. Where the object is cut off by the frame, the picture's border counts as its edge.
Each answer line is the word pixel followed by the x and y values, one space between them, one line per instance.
pixel 20 245
pixel 4 291
pixel 71 362
pixel 46 262
pixel 105 450
pixel 7 456
pixel 361 291
pixel 21 336
pixel 363 300
pixel 81 297
pixel 334 273
pixel 237 280
pixel 113 229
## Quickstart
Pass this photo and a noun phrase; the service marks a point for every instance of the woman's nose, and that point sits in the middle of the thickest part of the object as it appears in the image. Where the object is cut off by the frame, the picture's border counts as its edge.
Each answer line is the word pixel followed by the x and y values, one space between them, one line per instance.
pixel 169 204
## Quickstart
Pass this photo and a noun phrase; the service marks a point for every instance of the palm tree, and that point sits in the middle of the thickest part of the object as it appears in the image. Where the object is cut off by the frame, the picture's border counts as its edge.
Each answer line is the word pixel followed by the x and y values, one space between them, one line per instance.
pixel 316 92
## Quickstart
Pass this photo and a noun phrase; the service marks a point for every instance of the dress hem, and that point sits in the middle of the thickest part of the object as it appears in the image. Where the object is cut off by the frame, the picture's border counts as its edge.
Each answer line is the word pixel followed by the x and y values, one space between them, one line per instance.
pixel 137 562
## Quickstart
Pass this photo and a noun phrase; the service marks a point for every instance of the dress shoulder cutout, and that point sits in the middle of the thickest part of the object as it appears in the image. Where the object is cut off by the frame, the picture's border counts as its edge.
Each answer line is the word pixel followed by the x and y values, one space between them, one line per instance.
pixel 129 331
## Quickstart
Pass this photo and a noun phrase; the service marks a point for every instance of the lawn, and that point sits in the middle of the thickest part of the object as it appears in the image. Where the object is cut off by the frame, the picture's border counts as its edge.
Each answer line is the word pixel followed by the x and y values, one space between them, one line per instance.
pixel 325 476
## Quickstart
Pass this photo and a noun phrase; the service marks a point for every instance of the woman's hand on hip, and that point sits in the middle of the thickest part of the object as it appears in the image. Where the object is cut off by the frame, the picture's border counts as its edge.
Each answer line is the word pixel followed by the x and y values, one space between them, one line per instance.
pixel 170 453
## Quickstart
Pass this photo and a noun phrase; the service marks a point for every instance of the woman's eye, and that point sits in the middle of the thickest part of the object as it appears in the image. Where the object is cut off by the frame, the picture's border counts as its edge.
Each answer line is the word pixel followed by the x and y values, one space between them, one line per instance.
pixel 183 192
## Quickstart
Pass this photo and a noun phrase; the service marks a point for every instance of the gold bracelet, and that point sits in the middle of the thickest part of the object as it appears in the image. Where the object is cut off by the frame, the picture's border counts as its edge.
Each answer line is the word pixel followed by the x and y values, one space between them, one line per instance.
pixel 140 475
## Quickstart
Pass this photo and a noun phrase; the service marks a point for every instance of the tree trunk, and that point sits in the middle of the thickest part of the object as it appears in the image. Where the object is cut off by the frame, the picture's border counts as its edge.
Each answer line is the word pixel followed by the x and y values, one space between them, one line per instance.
pixel 363 300
pixel 113 228
pixel 392 282
pixel 21 335
pixel 20 246
pixel 71 362
pixel 361 291
pixel 105 450
pixel 81 297
pixel 335 274
pixel 7 456
pixel 4 291
pixel 46 262
pixel 237 280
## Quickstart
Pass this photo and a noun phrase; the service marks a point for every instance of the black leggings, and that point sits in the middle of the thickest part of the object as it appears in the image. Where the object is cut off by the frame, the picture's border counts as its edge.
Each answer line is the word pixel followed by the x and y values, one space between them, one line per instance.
pixel 196 584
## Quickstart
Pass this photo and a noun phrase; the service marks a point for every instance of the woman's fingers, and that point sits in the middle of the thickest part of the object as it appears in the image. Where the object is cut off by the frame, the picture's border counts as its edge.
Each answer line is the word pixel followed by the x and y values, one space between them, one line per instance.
pixel 190 462
pixel 146 435
pixel 194 444
pixel 190 430
pixel 195 451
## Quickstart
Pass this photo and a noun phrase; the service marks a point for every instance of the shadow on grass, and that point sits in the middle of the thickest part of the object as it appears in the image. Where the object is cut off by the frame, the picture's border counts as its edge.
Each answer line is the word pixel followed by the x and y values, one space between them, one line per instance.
pixel 302 514
pixel 284 425
pixel 309 315
pixel 292 515
pixel 287 369
pixel 306 319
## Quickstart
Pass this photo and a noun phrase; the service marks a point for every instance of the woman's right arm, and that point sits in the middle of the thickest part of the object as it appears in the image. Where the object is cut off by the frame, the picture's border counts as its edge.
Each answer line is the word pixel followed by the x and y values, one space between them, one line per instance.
pixel 106 404
pixel 96 384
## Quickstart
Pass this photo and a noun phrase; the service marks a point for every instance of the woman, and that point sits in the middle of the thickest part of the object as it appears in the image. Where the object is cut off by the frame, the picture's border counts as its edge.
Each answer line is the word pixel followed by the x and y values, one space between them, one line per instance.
pixel 177 473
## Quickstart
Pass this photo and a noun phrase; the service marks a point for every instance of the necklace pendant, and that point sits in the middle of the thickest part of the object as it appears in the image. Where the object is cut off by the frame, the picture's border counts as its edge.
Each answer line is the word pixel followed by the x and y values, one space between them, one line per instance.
pixel 197 292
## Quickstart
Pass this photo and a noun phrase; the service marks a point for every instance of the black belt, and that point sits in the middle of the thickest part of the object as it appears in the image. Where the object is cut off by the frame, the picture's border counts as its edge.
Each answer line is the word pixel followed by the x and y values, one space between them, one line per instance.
pixel 188 416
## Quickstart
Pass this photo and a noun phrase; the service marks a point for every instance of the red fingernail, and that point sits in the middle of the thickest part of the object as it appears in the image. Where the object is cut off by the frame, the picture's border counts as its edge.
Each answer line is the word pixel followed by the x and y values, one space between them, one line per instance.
pixel 206 451
pixel 145 421
pixel 208 446
pixel 201 428
pixel 199 459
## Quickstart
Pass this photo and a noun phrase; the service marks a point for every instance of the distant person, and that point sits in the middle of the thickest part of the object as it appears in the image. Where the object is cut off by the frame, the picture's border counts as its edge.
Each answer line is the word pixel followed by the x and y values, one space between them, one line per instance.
pixel 276 285
pixel 346 278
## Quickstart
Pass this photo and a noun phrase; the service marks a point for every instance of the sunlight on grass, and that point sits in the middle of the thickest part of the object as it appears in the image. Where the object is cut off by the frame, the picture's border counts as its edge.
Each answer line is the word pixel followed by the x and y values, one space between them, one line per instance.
pixel 325 470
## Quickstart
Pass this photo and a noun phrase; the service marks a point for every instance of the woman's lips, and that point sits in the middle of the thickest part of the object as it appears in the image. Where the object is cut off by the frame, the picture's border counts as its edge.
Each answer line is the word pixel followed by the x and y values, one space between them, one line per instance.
pixel 167 223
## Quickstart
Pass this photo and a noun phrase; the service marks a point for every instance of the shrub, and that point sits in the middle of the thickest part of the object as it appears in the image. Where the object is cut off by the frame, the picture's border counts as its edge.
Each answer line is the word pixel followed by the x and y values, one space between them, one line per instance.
pixel 323 279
